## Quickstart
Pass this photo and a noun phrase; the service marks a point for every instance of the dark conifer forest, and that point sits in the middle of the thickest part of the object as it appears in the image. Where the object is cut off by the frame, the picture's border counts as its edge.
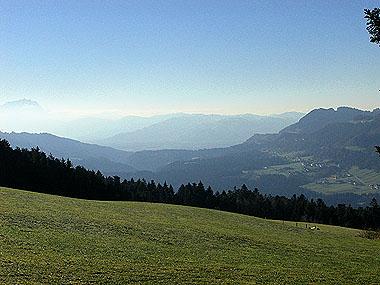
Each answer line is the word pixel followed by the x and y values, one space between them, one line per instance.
pixel 33 170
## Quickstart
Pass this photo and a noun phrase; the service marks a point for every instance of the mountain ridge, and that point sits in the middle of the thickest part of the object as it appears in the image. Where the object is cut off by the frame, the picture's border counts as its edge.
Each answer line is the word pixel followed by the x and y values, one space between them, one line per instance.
pixel 281 163
pixel 199 131
pixel 318 118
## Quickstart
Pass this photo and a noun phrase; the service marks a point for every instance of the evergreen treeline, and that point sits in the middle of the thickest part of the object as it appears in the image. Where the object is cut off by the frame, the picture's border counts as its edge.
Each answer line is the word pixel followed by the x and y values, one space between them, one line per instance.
pixel 34 170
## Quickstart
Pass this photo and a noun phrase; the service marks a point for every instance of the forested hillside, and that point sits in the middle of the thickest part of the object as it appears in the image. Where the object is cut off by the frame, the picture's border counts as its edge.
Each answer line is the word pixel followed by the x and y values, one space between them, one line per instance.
pixel 34 170
pixel 330 152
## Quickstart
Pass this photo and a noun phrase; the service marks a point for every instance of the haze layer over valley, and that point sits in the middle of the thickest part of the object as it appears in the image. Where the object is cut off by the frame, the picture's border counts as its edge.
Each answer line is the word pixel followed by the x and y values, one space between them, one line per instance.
pixel 134 133
pixel 326 152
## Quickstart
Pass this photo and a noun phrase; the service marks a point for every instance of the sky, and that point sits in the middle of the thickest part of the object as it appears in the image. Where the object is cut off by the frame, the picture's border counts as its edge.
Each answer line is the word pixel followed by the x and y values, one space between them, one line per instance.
pixel 155 57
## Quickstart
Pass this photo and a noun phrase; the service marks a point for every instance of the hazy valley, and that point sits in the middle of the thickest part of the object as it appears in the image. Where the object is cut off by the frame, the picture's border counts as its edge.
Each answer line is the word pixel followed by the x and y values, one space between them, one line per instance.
pixel 189 142
pixel 327 152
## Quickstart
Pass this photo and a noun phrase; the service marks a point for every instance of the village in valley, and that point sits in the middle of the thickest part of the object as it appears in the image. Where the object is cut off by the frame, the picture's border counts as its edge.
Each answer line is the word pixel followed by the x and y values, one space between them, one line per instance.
pixel 324 176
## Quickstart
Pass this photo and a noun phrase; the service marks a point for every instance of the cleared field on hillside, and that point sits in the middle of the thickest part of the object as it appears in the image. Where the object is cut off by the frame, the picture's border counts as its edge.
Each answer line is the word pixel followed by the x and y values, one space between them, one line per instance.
pixel 49 239
pixel 359 181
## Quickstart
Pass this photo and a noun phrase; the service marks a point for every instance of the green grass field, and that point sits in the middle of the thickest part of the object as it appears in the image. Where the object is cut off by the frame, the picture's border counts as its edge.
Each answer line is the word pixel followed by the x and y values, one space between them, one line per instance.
pixel 366 176
pixel 283 169
pixel 365 181
pixel 53 240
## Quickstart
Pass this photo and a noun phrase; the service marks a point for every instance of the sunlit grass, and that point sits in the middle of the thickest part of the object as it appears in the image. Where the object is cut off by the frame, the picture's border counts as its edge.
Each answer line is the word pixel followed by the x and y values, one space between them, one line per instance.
pixel 49 239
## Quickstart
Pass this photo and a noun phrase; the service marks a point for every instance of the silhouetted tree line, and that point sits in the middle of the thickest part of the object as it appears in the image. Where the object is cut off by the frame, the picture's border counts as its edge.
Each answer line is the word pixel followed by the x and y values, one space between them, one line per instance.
pixel 373 24
pixel 35 171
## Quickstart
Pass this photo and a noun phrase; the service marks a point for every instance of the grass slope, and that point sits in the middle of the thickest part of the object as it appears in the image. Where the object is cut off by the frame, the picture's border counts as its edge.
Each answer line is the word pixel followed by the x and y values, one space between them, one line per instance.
pixel 49 239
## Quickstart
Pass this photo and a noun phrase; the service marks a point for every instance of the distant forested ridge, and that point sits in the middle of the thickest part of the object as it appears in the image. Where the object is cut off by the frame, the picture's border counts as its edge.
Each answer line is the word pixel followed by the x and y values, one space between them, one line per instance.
pixel 35 171
pixel 320 153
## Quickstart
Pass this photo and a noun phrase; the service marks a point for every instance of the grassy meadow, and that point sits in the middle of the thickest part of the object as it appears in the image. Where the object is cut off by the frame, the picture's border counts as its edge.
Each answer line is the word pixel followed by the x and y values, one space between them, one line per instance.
pixel 54 240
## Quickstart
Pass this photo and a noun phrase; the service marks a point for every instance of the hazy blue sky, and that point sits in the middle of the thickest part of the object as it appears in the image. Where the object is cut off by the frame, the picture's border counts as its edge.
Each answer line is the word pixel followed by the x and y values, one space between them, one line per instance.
pixel 142 57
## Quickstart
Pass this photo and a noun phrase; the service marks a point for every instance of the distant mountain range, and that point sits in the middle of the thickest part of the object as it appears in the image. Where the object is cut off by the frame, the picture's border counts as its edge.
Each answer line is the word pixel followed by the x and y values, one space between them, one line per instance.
pixel 92 156
pixel 23 115
pixel 23 104
pixel 106 159
pixel 134 133
pixel 197 131
pixel 328 151
pixel 319 118
pixel 93 129
pixel 332 154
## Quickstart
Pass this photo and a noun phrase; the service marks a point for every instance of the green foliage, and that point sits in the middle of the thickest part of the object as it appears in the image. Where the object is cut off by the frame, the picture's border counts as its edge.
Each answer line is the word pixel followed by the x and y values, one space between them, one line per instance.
pixel 373 24
pixel 48 239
